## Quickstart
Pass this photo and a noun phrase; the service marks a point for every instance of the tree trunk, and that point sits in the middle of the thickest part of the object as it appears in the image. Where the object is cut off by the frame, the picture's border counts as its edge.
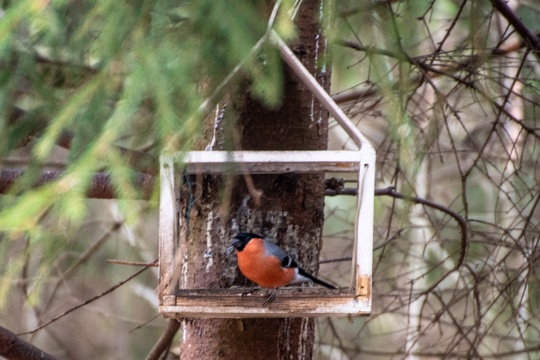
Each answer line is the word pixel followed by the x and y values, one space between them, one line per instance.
pixel 291 211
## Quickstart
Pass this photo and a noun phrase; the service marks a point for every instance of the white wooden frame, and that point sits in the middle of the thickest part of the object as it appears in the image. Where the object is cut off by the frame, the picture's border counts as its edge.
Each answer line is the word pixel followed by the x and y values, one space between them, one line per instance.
pixel 290 302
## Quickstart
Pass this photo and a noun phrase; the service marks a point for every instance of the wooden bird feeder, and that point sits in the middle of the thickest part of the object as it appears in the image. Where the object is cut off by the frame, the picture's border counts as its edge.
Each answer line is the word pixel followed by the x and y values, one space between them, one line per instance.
pixel 293 301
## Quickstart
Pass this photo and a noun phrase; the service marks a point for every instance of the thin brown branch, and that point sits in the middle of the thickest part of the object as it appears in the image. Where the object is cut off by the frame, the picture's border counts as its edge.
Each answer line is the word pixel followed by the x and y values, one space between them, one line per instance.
pixel 532 41
pixel 66 275
pixel 14 348
pixel 433 72
pixel 344 191
pixel 253 191
pixel 165 340
pixel 100 186
pixel 131 263
pixel 391 191
pixel 428 73
pixel 140 160
pixel 368 49
pixel 86 302
pixel 91 250
pixel 356 94
pixel 334 260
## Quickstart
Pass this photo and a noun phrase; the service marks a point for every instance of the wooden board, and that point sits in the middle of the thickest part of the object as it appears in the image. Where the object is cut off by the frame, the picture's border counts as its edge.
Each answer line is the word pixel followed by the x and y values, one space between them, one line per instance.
pixel 268 162
pixel 241 303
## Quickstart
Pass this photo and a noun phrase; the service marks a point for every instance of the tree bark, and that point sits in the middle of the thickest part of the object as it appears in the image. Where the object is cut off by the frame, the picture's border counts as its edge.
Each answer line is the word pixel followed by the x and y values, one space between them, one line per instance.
pixel 291 211
pixel 14 348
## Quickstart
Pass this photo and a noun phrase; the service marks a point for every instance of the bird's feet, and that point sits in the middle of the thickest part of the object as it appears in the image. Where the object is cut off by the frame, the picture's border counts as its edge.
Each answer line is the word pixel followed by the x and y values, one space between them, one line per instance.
pixel 271 296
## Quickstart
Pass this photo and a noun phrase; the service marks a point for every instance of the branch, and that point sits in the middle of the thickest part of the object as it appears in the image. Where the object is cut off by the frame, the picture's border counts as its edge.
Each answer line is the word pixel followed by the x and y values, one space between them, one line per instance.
pixel 138 159
pixel 327 261
pixel 81 260
pixel 344 191
pixel 14 348
pixel 100 186
pixel 368 91
pixel 86 302
pixel 165 340
pixel 391 191
pixel 428 73
pixel 131 263
pixel 531 40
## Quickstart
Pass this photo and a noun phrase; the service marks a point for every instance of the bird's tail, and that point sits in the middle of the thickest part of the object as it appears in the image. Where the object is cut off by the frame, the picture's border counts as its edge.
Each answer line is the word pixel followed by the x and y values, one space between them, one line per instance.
pixel 315 280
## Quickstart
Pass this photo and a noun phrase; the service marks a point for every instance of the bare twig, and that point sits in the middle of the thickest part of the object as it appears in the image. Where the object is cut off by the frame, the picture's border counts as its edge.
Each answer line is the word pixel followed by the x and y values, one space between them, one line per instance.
pixel 86 302
pixel 531 40
pixel 428 73
pixel 165 340
pixel 344 191
pixel 66 275
pixel 334 260
pixel 144 323
pixel 132 263
pixel 253 191
pixel 391 191
pixel 362 93
pixel 91 250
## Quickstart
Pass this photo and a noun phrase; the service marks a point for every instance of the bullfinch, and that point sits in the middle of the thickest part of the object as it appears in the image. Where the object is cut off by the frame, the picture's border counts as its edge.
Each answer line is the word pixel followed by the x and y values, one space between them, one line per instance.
pixel 267 265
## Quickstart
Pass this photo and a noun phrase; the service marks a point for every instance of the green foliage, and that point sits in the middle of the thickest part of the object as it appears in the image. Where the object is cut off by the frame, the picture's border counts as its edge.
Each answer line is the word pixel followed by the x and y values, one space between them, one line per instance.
pixel 129 73
pixel 99 69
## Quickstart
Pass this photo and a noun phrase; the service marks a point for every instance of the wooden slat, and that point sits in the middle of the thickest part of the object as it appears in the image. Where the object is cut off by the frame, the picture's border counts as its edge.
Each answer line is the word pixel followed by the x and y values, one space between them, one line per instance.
pixel 305 289
pixel 267 162
pixel 363 239
pixel 167 227
pixel 316 89
pixel 228 306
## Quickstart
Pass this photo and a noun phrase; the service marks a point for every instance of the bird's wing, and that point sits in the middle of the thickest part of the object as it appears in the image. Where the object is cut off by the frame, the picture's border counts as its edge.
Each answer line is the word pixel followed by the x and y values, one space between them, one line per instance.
pixel 285 259
pixel 287 262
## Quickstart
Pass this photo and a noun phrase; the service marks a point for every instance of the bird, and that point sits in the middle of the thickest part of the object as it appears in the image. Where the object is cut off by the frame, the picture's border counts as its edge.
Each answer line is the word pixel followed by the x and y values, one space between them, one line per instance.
pixel 267 265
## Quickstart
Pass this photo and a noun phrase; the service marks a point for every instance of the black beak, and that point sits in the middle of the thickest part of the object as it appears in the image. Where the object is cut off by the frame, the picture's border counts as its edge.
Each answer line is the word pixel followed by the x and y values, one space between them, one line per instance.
pixel 237 244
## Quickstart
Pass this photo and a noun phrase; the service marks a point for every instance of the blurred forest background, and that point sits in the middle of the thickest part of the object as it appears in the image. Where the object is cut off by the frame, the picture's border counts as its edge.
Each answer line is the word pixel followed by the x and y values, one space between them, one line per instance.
pixel 448 92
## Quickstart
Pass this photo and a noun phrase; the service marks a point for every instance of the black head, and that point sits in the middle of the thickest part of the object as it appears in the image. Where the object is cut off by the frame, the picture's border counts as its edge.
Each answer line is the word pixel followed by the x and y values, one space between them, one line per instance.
pixel 240 240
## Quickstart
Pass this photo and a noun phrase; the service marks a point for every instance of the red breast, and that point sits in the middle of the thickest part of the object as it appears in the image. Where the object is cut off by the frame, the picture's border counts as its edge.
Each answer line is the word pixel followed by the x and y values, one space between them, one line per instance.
pixel 261 268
